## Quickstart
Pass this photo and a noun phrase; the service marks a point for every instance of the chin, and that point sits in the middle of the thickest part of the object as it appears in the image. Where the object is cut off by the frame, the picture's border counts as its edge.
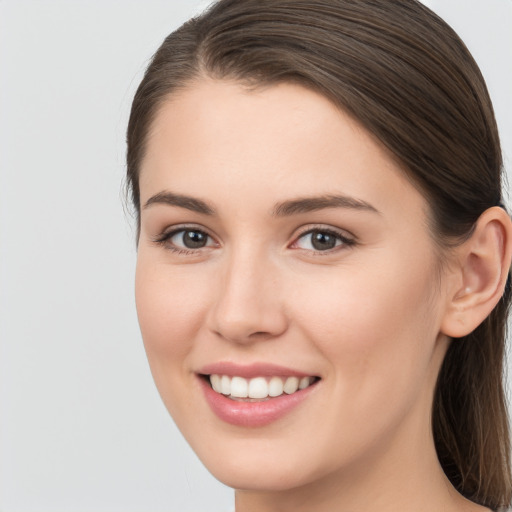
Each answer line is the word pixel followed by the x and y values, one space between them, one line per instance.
pixel 270 477
pixel 264 464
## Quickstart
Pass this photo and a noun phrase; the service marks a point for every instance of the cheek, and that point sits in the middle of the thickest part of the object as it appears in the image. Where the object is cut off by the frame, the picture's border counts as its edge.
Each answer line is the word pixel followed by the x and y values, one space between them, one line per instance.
pixel 376 326
pixel 170 311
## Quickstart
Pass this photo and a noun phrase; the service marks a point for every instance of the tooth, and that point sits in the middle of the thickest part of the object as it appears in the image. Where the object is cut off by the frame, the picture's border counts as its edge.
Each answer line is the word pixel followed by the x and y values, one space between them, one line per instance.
pixel 225 385
pixel 239 387
pixel 258 388
pixel 304 383
pixel 291 385
pixel 275 386
pixel 215 382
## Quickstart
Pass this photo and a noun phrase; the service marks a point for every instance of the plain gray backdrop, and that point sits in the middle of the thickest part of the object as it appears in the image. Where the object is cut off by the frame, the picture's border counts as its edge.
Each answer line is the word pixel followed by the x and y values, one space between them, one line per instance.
pixel 81 424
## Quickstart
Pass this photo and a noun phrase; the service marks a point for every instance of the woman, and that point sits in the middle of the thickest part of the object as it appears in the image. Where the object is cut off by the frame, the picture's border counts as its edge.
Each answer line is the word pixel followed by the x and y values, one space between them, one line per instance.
pixel 323 255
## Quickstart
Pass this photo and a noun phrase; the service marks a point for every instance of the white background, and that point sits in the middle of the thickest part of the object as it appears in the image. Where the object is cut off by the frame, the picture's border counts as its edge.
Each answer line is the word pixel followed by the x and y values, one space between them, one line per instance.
pixel 81 424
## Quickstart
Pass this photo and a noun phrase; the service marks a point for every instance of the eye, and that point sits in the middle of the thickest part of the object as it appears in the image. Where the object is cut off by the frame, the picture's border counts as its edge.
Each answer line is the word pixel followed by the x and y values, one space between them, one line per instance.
pixel 322 240
pixel 185 240
pixel 189 239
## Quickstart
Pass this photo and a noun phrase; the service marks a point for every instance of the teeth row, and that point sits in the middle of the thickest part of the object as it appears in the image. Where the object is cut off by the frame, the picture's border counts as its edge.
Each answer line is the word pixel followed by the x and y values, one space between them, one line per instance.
pixel 259 387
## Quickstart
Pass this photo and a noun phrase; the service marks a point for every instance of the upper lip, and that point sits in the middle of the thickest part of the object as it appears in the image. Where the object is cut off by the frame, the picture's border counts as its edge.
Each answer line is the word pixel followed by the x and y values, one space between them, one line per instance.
pixel 252 370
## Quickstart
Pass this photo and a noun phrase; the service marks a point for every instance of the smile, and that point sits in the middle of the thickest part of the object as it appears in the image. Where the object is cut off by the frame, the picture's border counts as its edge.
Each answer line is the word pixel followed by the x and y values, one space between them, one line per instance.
pixel 258 388
pixel 253 396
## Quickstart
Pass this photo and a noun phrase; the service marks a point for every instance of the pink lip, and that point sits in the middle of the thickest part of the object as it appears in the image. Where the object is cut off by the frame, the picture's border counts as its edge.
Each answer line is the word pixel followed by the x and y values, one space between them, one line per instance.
pixel 250 371
pixel 251 414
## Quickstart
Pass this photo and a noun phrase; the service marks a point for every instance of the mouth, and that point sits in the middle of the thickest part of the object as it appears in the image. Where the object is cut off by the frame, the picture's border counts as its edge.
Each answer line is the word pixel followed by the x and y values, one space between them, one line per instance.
pixel 255 395
pixel 257 389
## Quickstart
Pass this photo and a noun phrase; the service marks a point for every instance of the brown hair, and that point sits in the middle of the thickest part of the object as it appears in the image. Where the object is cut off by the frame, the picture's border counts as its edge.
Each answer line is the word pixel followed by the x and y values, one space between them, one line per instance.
pixel 408 78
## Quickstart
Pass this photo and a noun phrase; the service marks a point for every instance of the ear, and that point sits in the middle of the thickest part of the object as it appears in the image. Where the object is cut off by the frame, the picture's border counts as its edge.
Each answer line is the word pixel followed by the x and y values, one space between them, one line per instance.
pixel 479 274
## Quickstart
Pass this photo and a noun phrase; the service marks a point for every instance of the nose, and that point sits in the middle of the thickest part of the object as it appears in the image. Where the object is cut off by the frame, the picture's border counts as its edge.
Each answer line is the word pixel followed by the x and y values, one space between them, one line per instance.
pixel 248 305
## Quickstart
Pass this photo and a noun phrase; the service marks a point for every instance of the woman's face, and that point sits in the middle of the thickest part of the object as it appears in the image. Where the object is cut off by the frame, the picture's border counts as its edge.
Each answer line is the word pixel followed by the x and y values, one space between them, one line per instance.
pixel 281 246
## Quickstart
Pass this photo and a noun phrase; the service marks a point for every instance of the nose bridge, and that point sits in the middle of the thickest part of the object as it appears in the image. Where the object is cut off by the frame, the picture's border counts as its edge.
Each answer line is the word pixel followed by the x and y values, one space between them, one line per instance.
pixel 248 304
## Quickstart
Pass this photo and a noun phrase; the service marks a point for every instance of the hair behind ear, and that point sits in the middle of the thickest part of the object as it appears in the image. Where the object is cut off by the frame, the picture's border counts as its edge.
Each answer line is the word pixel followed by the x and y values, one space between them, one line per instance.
pixel 470 420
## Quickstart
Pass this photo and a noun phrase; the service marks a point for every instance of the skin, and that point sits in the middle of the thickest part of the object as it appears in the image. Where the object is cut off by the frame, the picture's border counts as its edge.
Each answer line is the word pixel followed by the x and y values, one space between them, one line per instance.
pixel 371 318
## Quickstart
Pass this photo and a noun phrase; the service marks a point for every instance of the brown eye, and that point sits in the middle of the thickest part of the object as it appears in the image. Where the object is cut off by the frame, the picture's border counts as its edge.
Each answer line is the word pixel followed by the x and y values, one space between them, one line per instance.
pixel 186 240
pixel 189 239
pixel 322 240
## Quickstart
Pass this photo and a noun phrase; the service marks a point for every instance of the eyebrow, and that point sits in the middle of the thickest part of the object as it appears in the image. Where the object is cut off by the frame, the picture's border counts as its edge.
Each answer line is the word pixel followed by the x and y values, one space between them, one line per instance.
pixel 284 209
pixel 190 203
pixel 311 204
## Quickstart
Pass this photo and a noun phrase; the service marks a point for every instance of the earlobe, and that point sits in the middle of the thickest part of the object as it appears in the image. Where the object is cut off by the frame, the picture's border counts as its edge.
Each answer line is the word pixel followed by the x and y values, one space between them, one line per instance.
pixel 483 267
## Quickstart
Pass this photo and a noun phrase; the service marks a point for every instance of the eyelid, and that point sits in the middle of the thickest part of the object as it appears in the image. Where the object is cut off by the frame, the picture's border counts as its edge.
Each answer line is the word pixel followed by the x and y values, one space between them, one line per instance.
pixel 165 236
pixel 347 239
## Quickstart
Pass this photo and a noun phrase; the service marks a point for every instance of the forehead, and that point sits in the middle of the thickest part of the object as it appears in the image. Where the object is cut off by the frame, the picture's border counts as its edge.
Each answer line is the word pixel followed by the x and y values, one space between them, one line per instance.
pixel 220 138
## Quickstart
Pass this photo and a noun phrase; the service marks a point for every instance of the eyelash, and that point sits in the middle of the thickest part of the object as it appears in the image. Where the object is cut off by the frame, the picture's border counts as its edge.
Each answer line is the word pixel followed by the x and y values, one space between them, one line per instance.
pixel 164 238
pixel 346 242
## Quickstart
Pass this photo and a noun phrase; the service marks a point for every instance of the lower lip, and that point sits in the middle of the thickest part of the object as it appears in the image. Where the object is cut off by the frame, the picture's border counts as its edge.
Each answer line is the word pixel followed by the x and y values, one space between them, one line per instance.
pixel 253 414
